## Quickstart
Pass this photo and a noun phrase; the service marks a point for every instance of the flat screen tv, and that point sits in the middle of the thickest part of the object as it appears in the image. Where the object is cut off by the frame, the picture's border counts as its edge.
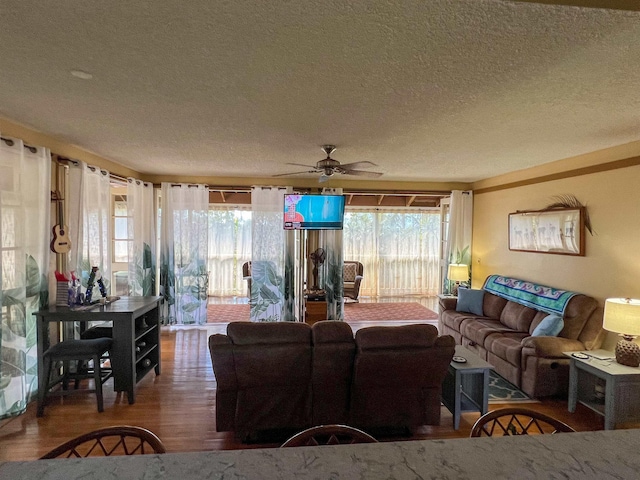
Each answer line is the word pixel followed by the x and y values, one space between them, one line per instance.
pixel 313 212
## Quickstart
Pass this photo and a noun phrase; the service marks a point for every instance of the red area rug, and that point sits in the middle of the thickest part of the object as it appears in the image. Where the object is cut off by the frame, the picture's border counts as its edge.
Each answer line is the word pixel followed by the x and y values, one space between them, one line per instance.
pixel 367 312
pixel 224 313
pixel 353 312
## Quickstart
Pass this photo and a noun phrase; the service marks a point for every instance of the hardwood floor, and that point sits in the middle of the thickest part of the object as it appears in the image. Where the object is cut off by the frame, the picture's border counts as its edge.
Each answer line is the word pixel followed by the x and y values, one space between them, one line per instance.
pixel 179 406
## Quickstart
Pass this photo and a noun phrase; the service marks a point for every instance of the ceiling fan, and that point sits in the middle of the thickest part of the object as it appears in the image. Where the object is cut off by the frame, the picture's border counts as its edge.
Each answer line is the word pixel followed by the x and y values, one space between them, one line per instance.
pixel 329 167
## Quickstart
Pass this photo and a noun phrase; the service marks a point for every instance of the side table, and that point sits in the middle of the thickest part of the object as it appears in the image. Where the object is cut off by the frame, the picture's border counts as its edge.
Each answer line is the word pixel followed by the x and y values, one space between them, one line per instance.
pixel 605 386
pixel 315 311
pixel 465 388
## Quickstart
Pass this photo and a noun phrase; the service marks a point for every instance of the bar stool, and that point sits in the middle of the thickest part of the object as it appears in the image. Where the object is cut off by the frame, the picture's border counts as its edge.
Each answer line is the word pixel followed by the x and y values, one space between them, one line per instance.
pixel 99 331
pixel 66 352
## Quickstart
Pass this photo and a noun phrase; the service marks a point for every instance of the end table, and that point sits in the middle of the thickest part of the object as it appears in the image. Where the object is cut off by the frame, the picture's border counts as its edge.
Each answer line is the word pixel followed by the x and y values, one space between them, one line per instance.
pixel 604 386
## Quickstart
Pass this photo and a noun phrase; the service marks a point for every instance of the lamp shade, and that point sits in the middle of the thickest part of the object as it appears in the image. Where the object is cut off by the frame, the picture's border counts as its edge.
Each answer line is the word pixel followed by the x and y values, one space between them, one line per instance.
pixel 622 315
pixel 458 272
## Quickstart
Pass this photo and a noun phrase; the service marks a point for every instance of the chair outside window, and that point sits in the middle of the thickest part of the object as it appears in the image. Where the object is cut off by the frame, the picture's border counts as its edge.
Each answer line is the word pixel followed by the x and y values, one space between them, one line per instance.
pixel 352 273
pixel 246 275
pixel 329 435
pixel 117 440
pixel 517 421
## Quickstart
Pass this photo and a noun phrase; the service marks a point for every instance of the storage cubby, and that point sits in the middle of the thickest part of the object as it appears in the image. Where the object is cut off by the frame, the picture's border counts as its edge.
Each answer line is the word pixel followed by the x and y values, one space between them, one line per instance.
pixel 146 346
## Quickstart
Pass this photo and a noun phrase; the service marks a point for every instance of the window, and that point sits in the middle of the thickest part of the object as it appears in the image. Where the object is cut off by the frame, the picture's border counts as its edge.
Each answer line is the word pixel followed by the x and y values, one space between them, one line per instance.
pixel 120 245
pixel 445 211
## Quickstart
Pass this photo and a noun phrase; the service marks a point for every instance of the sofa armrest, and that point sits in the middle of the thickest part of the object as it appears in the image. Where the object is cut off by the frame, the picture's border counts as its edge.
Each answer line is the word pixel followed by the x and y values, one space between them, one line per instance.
pixel 224 369
pixel 551 347
pixel 448 303
pixel 445 341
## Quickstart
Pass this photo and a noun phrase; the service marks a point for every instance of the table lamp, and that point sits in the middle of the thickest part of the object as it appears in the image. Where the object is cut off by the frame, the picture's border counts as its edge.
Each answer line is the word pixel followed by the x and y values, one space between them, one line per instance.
pixel 458 272
pixel 622 316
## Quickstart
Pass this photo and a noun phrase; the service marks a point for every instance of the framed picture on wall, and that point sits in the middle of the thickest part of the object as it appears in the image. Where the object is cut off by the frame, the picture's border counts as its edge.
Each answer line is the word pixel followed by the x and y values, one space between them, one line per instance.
pixel 558 230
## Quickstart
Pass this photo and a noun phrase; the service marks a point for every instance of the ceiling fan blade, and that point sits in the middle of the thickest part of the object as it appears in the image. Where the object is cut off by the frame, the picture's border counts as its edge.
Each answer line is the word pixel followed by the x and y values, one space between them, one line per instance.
pixel 365 164
pixel 302 165
pixel 293 173
pixel 362 173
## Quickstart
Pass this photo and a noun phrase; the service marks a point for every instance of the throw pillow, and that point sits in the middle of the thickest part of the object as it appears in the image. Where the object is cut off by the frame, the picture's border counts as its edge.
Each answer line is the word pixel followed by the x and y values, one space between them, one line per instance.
pixel 550 326
pixel 470 300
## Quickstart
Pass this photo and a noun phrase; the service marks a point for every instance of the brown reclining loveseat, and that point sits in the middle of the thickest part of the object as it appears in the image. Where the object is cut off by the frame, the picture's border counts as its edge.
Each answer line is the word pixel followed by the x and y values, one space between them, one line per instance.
pixel 287 376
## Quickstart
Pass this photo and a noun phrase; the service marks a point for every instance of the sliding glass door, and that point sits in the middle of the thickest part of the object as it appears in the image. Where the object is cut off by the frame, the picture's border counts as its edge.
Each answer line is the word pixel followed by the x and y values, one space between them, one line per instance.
pixel 399 248
pixel 229 248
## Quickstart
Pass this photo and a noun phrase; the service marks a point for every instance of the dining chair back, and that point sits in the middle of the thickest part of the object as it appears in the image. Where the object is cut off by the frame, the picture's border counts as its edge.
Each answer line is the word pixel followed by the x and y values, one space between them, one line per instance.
pixel 328 435
pixel 104 442
pixel 517 421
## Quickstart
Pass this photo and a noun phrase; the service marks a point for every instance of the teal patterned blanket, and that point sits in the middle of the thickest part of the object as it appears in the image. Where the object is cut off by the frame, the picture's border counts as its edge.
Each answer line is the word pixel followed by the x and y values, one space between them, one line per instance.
pixel 547 299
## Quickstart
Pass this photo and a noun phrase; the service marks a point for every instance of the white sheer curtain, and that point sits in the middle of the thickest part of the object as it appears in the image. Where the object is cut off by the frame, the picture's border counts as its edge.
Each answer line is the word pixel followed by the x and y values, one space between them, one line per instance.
pixel 458 248
pixel 90 222
pixel 183 270
pixel 399 249
pixel 141 232
pixel 332 283
pixel 25 183
pixel 272 255
pixel 229 248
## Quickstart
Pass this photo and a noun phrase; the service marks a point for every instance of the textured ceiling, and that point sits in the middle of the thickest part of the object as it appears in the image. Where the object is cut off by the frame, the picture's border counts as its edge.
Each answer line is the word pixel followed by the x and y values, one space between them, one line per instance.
pixel 428 90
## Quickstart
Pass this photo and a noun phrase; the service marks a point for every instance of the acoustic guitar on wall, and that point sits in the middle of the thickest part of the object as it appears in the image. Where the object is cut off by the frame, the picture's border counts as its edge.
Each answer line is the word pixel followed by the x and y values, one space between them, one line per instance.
pixel 60 242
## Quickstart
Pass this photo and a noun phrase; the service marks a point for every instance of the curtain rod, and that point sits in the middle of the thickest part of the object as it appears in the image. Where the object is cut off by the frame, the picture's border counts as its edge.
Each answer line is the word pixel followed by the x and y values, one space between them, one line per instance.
pixel 225 189
pixel 10 143
pixel 112 175
pixel 188 185
pixel 137 181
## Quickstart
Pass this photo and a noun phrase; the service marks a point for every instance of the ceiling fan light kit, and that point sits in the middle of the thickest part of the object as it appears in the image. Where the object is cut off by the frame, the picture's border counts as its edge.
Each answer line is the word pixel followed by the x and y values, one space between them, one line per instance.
pixel 329 167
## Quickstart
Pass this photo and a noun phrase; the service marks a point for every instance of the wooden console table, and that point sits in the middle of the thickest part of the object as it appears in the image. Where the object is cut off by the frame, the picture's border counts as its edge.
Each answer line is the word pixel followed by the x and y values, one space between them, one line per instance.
pixel 134 319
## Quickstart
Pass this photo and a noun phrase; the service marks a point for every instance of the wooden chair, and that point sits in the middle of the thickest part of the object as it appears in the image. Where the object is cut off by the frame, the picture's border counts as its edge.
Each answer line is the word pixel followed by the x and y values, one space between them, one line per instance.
pixel 352 273
pixel 246 275
pixel 329 435
pixel 100 331
pixel 517 421
pixel 117 440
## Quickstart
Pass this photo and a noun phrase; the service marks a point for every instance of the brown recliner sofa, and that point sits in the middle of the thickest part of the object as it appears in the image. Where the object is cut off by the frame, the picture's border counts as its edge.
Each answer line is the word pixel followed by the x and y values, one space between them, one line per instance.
pixel 263 376
pixel 286 376
pixel 397 376
pixel 502 337
pixel 334 351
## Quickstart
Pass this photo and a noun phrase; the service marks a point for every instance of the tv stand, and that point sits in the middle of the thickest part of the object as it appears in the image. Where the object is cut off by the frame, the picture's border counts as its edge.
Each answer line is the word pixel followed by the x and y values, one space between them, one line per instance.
pixel 315 310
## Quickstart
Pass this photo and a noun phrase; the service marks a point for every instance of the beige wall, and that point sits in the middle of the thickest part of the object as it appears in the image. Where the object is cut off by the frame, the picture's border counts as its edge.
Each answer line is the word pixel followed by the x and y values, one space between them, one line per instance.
pixel 611 267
